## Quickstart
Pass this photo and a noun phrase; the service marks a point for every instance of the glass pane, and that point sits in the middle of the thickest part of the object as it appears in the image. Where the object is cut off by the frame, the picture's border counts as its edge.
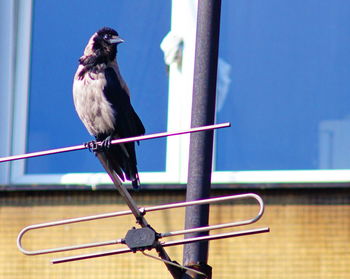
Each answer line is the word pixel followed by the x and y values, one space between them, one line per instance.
pixel 60 32
pixel 286 67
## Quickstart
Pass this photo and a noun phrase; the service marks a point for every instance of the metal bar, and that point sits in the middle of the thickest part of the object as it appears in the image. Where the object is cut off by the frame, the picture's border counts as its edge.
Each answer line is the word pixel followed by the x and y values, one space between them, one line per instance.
pixel 76 220
pixel 163 244
pixel 63 222
pixel 122 190
pixel 175 272
pixel 203 113
pixel 72 247
pixel 143 211
pixel 91 255
pixel 221 226
pixel 215 237
pixel 117 141
pixel 205 201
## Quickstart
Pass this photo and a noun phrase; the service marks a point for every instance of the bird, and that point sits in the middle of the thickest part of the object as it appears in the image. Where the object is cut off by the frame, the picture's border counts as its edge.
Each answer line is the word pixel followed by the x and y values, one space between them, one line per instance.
pixel 102 101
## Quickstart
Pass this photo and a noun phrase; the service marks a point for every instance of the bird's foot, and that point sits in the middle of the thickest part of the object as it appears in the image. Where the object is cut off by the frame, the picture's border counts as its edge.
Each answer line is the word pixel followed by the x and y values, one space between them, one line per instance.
pixel 95 146
pixel 92 146
pixel 106 143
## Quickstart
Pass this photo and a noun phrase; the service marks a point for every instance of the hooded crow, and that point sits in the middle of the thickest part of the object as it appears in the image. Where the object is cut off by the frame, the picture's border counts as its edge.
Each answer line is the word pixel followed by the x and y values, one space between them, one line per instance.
pixel 102 101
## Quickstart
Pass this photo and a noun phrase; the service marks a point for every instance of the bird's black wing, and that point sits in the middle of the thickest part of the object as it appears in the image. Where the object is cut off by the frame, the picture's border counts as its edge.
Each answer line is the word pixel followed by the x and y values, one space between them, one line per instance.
pixel 127 124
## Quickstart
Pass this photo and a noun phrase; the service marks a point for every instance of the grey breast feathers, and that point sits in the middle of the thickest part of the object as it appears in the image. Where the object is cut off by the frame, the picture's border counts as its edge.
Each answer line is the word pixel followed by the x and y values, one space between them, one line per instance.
pixel 90 103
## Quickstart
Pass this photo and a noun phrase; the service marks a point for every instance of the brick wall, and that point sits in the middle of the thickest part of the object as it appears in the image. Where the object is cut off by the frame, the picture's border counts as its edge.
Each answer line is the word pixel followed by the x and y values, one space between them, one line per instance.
pixel 309 238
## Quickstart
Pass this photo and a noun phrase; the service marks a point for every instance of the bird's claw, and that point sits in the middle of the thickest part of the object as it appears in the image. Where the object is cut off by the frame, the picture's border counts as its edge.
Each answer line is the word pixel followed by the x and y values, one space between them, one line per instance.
pixel 95 146
pixel 106 143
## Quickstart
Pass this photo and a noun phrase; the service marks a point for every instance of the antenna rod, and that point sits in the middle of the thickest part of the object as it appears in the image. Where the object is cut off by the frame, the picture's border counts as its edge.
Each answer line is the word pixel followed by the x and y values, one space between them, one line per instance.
pixel 117 141
pixel 175 271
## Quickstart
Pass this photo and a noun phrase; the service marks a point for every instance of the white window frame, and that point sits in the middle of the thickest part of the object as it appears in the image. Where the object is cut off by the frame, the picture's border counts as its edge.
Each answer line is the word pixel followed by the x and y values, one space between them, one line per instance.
pixel 7 56
pixel 16 23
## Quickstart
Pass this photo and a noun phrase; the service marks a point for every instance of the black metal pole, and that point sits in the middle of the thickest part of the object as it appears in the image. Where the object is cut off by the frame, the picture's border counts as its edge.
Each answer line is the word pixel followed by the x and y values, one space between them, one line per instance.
pixel 201 144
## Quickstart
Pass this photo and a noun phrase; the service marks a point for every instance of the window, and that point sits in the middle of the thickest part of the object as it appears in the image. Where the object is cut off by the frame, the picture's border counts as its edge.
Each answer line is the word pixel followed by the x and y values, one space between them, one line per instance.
pixel 55 49
pixel 287 99
pixel 56 34
pixel 282 83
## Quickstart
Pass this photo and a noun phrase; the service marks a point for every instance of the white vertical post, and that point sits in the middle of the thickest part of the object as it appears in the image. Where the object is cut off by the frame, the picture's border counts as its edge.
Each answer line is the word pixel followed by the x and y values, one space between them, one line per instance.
pixel 7 50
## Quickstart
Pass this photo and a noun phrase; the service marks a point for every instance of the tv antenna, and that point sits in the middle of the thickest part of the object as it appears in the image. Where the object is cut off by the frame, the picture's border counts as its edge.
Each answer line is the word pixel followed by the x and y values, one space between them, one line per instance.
pixel 145 237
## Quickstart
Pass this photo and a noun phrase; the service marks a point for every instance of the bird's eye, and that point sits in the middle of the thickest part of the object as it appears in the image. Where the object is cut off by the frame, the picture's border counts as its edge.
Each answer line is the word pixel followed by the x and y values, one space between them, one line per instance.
pixel 106 36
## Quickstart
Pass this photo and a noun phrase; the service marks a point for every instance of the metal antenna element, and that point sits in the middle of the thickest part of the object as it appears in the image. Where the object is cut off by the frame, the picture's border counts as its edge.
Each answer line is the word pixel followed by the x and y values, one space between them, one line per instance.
pixel 164 244
pixel 139 216
pixel 140 239
pixel 117 141
pixel 143 211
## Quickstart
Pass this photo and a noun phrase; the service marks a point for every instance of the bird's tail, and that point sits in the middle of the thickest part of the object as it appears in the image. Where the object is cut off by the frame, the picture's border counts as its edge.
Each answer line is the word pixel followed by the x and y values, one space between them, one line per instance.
pixel 122 159
pixel 130 170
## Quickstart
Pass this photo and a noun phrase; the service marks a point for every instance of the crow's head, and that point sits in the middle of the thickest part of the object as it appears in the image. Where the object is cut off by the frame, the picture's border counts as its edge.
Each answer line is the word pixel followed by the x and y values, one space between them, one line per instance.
pixel 103 44
pixel 107 36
